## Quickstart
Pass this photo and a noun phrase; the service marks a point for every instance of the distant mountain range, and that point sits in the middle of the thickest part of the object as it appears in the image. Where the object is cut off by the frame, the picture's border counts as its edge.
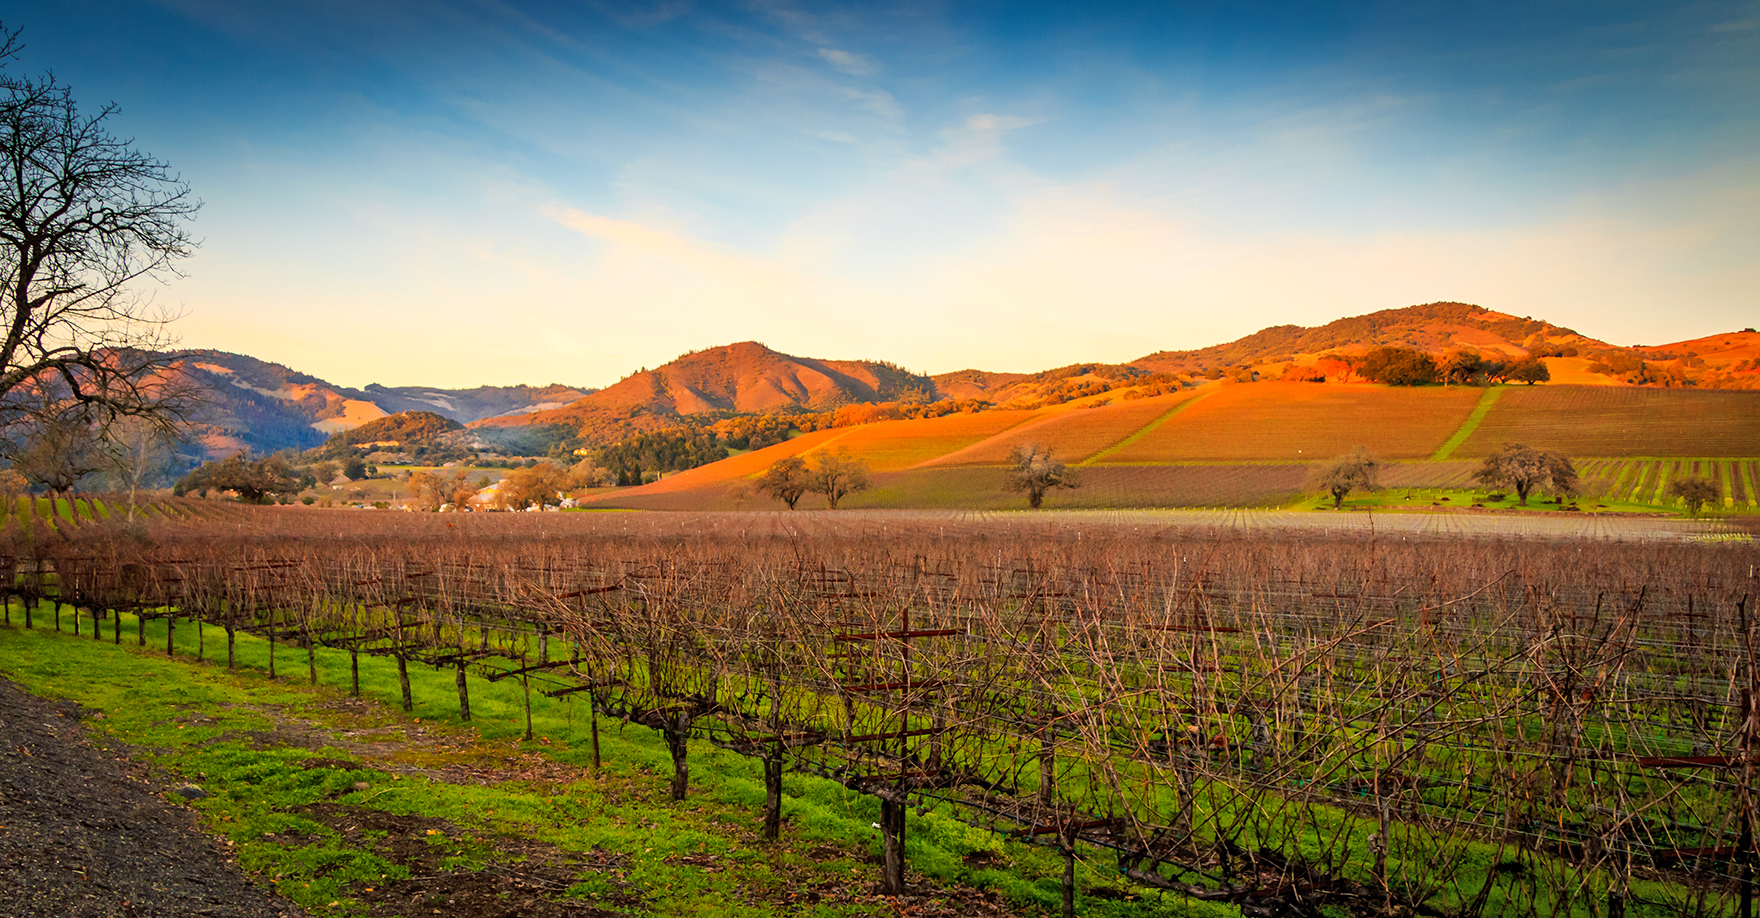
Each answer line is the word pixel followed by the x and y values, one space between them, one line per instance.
pixel 263 406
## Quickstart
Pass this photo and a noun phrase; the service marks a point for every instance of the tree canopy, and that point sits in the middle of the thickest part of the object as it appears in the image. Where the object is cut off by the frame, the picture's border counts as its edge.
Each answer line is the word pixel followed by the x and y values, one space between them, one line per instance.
pixel 665 451
pixel 1525 468
pixel 837 475
pixel 1353 471
pixel 1398 366
pixel 1036 471
pixel 1695 491
pixel 256 481
pixel 787 480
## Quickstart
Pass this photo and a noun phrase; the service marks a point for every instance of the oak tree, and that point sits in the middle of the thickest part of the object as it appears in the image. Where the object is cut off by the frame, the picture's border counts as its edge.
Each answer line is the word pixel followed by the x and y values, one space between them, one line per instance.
pixel 1693 490
pixel 837 475
pixel 1036 471
pixel 1353 471
pixel 1525 468
pixel 787 480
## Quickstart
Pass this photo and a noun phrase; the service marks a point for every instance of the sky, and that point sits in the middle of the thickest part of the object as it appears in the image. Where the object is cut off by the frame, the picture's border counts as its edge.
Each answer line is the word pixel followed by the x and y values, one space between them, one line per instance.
pixel 467 192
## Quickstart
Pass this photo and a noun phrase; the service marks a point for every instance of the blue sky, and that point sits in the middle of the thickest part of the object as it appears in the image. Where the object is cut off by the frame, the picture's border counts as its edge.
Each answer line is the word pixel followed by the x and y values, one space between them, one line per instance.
pixel 501 192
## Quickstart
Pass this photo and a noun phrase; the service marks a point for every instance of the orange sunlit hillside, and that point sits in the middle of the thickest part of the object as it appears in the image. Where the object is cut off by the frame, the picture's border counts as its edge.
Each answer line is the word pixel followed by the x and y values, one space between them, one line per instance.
pixel 1297 421
pixel 1073 434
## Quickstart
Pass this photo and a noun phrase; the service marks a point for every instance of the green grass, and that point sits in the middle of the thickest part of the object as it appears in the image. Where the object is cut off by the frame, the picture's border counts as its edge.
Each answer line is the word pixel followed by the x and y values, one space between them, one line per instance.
pixel 196 719
pixel 1422 499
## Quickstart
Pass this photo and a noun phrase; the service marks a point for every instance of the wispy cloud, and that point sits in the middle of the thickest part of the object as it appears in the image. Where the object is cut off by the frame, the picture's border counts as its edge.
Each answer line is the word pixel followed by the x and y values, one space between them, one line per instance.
pixel 852 64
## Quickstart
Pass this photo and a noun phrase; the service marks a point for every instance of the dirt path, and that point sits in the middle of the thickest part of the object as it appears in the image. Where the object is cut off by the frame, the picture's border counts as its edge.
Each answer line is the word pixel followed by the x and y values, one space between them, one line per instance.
pixel 84 832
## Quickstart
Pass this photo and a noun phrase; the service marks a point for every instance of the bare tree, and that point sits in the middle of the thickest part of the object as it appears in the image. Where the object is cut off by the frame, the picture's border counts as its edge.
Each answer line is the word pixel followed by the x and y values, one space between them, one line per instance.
pixel 1350 472
pixel 786 480
pixel 1525 468
pixel 136 450
pixel 837 475
pixel 1035 472
pixel 54 451
pixel 83 216
pixel 1694 490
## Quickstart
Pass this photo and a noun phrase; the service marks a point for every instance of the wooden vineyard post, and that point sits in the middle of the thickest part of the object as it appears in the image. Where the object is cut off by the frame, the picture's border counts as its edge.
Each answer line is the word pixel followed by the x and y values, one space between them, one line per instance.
pixel 773 765
pixel 354 670
pixel 116 626
pixel 773 792
pixel 526 683
pixel 677 730
pixel 170 649
pixel 892 841
pixel 1047 763
pixel 271 630
pixel 593 725
pixel 403 678
pixel 464 695
pixel 311 653
pixel 97 622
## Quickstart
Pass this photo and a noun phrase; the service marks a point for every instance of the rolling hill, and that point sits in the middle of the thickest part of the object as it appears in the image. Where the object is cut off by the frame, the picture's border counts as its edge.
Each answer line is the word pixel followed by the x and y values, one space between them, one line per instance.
pixel 1228 402
pixel 1248 444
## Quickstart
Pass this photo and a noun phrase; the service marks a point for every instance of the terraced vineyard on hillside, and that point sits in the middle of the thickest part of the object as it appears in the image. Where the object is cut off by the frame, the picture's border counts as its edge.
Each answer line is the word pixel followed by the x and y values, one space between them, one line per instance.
pixel 1244 445
pixel 1621 421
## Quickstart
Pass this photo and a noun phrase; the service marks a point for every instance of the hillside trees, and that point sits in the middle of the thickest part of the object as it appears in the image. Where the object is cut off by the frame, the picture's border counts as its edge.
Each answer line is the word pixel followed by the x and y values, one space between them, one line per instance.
pixel 787 480
pixel 409 429
pixel 1695 491
pixel 837 475
pixel 1036 471
pixel 1525 468
pixel 1529 370
pixel 1398 366
pixel 83 216
pixel 664 451
pixel 1353 471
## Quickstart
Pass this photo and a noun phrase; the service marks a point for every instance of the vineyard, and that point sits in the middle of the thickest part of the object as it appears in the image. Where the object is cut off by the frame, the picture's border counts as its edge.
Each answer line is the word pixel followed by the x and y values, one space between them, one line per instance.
pixel 1293 421
pixel 1076 434
pixel 1284 723
pixel 1645 481
pixel 1620 421
pixel 1180 441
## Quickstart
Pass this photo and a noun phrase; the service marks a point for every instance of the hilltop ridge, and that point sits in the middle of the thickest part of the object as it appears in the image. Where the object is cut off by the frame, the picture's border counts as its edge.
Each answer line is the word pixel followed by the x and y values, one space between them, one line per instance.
pixel 263 406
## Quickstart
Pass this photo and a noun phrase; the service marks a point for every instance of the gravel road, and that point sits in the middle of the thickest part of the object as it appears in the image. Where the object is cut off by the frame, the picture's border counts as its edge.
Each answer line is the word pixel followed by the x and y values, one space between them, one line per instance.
pixel 84 832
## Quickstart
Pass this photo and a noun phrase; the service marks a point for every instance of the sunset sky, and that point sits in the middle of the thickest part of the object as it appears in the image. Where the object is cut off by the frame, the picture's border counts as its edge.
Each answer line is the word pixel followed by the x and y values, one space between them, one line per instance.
pixel 500 191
